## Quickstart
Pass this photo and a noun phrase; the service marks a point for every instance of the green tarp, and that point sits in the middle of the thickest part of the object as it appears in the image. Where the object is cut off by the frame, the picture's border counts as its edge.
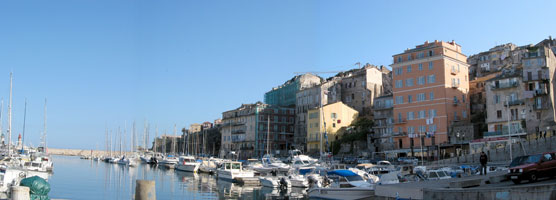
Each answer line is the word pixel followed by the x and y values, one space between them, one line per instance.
pixel 39 188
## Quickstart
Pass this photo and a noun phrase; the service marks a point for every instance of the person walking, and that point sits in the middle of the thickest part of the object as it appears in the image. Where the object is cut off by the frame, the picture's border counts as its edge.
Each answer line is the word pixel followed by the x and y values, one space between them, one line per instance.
pixel 483 159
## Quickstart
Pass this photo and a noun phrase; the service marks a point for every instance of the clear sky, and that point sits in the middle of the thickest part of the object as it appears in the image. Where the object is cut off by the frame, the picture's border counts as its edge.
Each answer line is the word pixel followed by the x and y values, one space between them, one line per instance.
pixel 104 62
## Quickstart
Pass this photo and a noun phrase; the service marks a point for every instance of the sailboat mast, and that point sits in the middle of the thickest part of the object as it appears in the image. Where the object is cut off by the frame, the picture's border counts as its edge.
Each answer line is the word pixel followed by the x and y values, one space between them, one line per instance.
pixel 24 118
pixel 44 133
pixel 133 137
pixel 174 140
pixel 268 136
pixel 10 116
pixel 155 137
pixel 1 119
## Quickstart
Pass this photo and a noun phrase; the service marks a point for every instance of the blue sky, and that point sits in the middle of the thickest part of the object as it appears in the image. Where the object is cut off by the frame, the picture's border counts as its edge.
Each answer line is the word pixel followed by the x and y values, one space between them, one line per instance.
pixel 102 63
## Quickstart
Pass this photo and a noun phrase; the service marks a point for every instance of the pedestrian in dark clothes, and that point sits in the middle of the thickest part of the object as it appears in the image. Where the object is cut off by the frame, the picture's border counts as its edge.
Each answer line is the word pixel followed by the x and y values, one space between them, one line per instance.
pixel 483 160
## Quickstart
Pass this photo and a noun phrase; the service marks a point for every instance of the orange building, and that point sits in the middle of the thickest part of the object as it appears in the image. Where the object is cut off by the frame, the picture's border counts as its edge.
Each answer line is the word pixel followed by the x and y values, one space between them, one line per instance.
pixel 430 87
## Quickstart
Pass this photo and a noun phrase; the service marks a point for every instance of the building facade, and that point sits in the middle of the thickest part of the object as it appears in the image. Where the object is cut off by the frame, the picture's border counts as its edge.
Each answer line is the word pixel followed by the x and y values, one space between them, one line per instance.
pixel 430 93
pixel 330 118
pixel 383 137
pixel 307 99
pixel 359 87
pixel 285 94
pixel 255 129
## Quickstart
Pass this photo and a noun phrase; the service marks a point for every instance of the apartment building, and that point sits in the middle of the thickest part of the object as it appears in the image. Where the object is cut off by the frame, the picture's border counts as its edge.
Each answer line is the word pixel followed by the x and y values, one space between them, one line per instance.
pixel 359 87
pixel 255 129
pixel 285 94
pixel 383 137
pixel 430 94
pixel 330 118
pixel 310 98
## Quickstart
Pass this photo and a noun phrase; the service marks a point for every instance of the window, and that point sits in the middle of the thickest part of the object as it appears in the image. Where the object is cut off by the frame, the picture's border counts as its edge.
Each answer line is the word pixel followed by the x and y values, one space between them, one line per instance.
pixel 410 129
pixel 420 66
pixel 496 99
pixel 499 114
pixel 410 116
pixel 431 78
pixel 409 99
pixel 455 115
pixel 464 114
pixel 399 71
pixel 431 53
pixel 463 98
pixel 400 119
pixel 420 80
pixel 432 113
pixel 422 129
pixel 399 99
pixel 399 59
pixel 422 114
pixel 538 115
pixel 420 97
pixel 408 68
pixel 409 82
pixel 430 65
pixel 432 128
pixel 333 115
pixel 334 125
pixel 421 55
pixel 408 56
pixel 431 96
pixel 399 83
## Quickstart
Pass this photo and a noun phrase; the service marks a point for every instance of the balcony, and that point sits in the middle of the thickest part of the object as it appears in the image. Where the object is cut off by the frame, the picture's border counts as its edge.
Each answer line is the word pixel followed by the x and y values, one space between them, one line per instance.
pixel 506 85
pixel 400 121
pixel 382 107
pixel 540 107
pixel 541 77
pixel 516 102
pixel 455 85
pixel 313 139
pixel 454 71
pixel 540 92
pixel 238 131
pixel 504 133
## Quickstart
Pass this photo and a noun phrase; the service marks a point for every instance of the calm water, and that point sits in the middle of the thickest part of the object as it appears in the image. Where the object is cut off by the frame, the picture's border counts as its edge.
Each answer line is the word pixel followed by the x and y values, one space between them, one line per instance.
pixel 75 178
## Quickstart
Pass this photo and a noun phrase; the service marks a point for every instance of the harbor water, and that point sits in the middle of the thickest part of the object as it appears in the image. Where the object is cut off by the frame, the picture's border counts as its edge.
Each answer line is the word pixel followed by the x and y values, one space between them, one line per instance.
pixel 76 178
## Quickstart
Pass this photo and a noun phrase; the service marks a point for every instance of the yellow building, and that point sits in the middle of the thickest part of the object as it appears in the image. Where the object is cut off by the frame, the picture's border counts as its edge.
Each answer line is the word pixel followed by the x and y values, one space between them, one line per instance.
pixel 336 116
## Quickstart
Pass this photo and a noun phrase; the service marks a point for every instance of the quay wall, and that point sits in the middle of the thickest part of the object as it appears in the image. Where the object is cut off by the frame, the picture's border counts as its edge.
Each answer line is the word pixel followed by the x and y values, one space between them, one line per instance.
pixel 546 191
pixel 79 152
pixel 502 155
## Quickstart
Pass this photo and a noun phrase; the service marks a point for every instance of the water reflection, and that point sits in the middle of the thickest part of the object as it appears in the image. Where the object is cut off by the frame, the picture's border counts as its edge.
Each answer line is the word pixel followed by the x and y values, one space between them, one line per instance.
pixel 75 178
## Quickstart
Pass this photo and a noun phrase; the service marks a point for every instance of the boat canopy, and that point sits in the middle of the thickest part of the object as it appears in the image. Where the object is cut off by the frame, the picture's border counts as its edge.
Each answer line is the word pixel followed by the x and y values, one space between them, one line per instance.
pixel 342 172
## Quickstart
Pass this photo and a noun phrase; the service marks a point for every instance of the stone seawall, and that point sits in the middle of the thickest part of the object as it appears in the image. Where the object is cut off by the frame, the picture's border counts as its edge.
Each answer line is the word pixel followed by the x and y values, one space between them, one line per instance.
pixel 78 152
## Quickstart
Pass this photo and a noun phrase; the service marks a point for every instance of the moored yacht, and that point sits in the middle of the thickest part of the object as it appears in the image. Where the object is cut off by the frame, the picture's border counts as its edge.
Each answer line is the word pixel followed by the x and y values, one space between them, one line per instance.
pixel 345 185
pixel 188 164
pixel 232 170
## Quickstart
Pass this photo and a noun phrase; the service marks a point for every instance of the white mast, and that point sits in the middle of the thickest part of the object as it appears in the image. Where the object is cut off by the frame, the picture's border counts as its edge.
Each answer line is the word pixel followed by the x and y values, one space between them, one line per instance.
pixel 155 136
pixel 268 135
pixel 1 120
pixel 10 117
pixel 174 140
pixel 44 133
pixel 133 137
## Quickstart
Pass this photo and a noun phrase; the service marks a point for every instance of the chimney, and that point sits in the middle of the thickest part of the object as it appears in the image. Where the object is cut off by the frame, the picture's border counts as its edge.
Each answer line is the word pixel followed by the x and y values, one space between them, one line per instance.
pixel 435 41
pixel 453 42
pixel 427 42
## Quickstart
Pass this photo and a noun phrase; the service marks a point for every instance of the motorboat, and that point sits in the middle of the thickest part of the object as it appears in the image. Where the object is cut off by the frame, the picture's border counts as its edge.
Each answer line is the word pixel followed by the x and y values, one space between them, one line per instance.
pixel 169 161
pixel 304 163
pixel 270 181
pixel 296 180
pixel 437 175
pixel 345 184
pixel 188 164
pixel 231 170
pixel 209 166
pixel 271 164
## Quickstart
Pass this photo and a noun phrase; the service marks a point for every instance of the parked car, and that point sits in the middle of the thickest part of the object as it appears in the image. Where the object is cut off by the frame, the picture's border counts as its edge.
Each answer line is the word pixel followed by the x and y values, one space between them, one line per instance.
pixel 532 167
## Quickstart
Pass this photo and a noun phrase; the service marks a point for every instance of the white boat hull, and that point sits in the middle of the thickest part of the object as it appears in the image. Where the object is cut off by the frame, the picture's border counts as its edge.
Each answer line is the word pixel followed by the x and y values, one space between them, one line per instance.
pixel 269 182
pixel 188 167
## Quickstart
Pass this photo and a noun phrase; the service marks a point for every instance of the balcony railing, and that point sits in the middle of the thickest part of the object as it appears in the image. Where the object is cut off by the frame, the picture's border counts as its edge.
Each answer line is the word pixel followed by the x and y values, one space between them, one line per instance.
pixel 238 131
pixel 504 133
pixel 455 85
pixel 504 85
pixel 516 102
pixel 381 107
pixel 539 106
pixel 400 121
pixel 454 71
pixel 542 91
